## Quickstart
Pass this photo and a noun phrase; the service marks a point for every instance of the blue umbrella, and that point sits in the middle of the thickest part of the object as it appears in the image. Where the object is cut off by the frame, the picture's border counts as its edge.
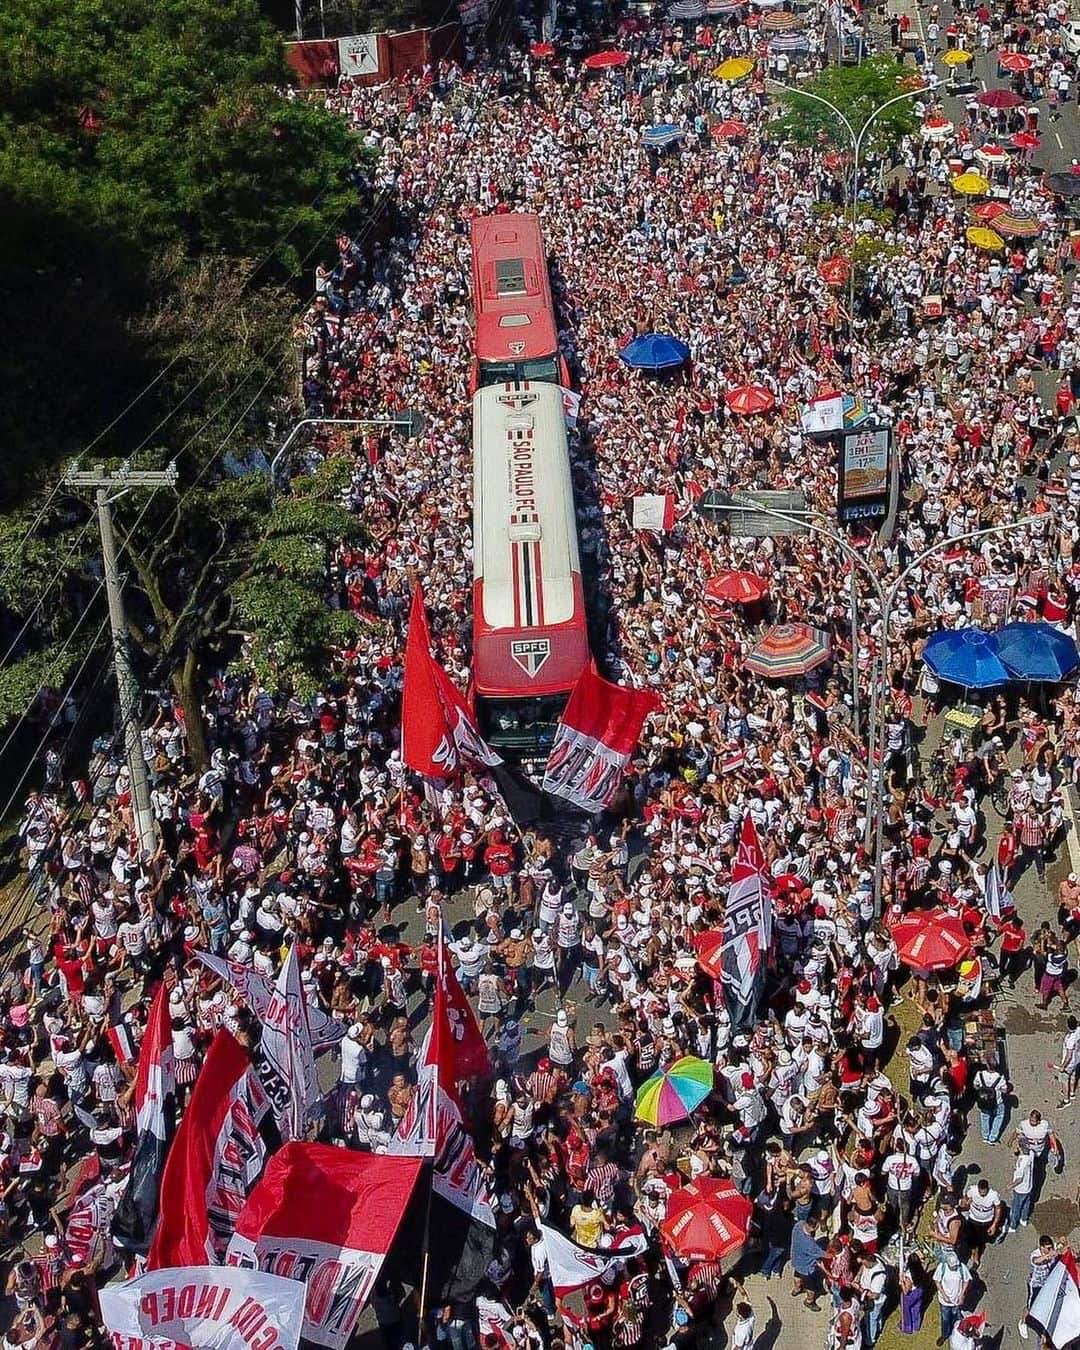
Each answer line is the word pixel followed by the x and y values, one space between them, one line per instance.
pixel 667 133
pixel 965 656
pixel 1037 651
pixel 655 351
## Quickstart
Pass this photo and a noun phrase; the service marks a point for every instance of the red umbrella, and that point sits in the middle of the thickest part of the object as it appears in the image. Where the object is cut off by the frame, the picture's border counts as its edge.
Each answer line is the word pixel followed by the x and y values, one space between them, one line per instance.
pixel 728 131
pixel 834 271
pixel 747 399
pixel 999 98
pixel 542 49
pixel 988 210
pixel 706 1220
pixel 1015 61
pixel 1026 140
pixel 605 60
pixel 708 947
pixel 737 588
pixel 930 939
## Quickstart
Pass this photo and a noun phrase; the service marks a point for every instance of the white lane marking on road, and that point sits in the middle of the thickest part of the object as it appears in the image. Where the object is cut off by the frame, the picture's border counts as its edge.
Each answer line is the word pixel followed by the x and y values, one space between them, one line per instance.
pixel 1061 143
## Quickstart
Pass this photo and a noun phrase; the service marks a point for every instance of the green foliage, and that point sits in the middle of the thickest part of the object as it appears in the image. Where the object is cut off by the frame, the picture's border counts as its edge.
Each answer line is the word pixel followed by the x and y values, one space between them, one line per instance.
pixel 280 602
pixel 51 667
pixel 162 120
pixel 857 91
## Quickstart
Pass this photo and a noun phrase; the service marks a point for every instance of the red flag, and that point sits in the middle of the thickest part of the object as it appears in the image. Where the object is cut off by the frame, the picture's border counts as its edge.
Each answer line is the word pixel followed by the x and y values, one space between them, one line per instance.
pixel 220 1150
pixel 328 1217
pixel 433 1126
pixel 597 735
pixel 438 735
pixel 747 925
pixel 155 1123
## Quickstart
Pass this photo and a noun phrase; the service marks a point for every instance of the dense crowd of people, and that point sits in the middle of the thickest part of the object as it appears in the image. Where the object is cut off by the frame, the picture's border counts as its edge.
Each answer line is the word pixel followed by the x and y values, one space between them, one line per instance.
pixel 306 830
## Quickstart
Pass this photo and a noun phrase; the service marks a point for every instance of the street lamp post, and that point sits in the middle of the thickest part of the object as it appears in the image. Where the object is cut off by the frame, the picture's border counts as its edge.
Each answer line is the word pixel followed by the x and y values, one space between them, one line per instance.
pixel 410 422
pixel 881 673
pixel 879 669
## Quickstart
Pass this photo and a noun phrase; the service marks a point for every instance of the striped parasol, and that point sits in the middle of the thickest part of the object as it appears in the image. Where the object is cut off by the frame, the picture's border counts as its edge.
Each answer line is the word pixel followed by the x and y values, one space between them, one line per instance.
pixel 788 650
pixel 781 21
pixel 687 9
pixel 788 42
pixel 1017 225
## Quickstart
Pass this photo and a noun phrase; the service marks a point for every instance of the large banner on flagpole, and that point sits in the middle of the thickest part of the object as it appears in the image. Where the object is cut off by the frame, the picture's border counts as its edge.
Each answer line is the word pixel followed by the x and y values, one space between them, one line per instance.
pixel 438 735
pixel 257 990
pixel 598 733
pixel 747 928
pixel 214 1308
pixel 285 1059
pixel 155 1124
pixel 433 1125
pixel 219 1154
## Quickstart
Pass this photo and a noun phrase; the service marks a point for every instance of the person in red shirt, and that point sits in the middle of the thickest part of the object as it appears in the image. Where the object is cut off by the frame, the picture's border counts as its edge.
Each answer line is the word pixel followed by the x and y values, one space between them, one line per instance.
pixel 1013 949
pixel 499 860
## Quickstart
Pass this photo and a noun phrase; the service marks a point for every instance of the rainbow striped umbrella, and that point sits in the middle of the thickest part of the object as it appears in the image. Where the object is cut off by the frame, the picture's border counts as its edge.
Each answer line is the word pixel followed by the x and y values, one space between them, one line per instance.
pixel 1017 225
pixel 788 650
pixel 671 1094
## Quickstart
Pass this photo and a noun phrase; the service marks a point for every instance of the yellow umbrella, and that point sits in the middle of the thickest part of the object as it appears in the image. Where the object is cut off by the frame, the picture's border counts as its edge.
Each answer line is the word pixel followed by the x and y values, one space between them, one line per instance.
pixel 736 69
pixel 971 184
pixel 955 56
pixel 981 237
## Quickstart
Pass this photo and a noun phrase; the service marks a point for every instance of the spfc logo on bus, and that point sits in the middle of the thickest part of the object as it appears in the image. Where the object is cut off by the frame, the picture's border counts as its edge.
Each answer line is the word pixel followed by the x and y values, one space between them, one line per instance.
pixel 530 654
pixel 516 348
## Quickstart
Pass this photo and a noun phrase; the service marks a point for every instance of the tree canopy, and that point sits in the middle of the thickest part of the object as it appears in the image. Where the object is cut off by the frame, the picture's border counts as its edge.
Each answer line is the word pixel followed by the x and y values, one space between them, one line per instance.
pixel 857 92
pixel 163 201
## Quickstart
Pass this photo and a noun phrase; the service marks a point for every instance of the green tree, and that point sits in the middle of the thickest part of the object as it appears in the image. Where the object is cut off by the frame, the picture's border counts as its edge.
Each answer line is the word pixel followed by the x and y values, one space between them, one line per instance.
pixel 161 205
pixel 857 91
pixel 163 120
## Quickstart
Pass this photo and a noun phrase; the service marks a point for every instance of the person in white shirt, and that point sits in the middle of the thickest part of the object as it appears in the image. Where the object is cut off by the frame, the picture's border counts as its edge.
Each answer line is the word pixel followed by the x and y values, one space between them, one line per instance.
pixel 984 1211
pixel 1069 1064
pixel 1023 1188
pixel 901 1171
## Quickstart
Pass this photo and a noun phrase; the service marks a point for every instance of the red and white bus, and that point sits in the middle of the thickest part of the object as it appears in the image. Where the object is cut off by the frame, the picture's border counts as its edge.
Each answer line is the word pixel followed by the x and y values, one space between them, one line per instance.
pixel 530 641
pixel 516 335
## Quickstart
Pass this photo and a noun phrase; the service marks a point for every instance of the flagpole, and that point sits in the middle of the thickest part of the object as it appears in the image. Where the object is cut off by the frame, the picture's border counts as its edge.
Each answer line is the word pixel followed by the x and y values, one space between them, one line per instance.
pixel 440 953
